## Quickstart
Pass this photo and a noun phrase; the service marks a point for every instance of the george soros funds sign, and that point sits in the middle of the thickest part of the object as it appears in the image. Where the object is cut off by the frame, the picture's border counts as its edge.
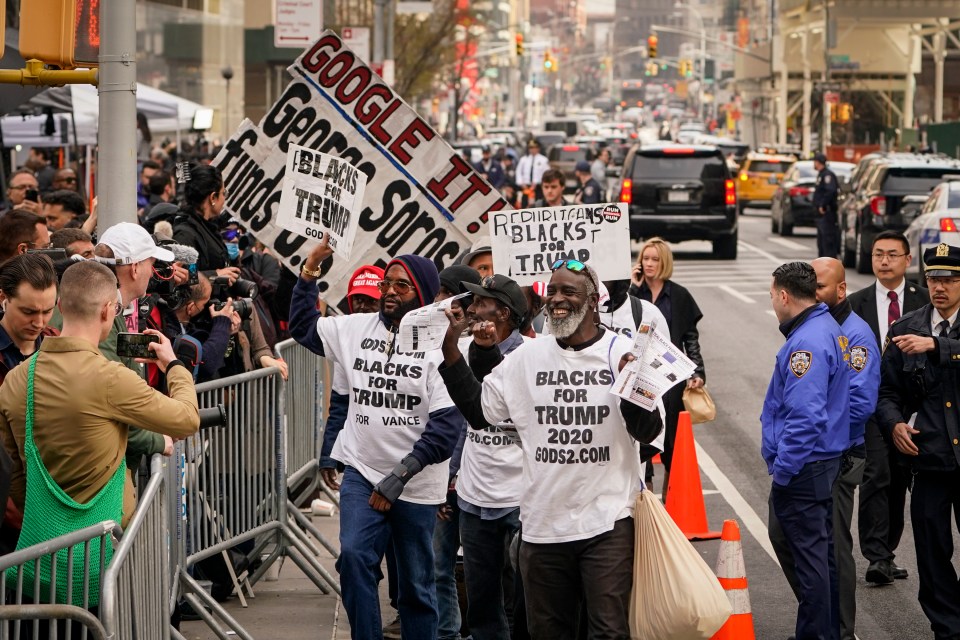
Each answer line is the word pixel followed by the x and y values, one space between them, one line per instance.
pixel 420 196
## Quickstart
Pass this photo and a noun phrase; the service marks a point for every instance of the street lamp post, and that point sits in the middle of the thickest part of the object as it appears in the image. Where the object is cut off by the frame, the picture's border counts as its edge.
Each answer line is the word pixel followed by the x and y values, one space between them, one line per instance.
pixel 703 55
pixel 227 74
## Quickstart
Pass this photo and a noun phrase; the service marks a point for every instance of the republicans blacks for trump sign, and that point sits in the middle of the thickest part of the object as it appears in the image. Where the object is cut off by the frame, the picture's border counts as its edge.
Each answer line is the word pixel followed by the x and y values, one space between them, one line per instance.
pixel 421 197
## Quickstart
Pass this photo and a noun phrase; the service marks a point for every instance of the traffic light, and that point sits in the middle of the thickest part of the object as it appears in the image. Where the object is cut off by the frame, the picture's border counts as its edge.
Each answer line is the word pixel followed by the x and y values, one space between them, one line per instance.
pixel 61 33
pixel 652 46
pixel 547 61
pixel 519 44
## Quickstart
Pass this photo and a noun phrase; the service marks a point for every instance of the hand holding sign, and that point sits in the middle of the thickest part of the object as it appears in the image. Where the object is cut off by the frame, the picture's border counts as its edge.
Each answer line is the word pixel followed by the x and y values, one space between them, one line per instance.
pixel 320 252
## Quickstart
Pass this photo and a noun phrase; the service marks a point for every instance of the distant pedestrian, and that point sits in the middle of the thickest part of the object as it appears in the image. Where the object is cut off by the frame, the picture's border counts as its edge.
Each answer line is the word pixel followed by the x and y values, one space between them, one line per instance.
pixel 598 168
pixel 805 425
pixel 491 169
pixel 825 204
pixel 530 170
pixel 918 406
pixel 590 191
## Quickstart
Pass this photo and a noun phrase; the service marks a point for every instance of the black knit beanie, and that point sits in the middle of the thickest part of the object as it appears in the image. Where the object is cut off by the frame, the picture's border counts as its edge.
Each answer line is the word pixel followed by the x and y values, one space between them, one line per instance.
pixel 423 274
pixel 451 277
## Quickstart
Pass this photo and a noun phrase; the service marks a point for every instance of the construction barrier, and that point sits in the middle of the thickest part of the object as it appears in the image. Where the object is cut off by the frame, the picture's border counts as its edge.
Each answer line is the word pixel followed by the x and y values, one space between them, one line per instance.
pixel 135 602
pixel 69 602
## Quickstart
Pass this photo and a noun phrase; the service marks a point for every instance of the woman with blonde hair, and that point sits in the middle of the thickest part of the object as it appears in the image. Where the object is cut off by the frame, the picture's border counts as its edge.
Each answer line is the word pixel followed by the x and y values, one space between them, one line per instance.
pixel 651 282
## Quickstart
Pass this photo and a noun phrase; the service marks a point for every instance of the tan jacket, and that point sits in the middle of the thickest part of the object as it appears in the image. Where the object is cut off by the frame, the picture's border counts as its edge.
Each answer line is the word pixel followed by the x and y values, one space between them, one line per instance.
pixel 82 404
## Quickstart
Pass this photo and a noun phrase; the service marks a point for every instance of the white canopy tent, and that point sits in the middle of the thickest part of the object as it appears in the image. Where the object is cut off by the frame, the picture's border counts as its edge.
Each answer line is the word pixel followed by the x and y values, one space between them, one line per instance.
pixel 166 113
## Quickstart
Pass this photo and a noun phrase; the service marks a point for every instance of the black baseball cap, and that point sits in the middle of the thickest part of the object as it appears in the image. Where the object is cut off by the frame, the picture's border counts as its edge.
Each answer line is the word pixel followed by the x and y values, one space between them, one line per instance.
pixel 942 261
pixel 503 290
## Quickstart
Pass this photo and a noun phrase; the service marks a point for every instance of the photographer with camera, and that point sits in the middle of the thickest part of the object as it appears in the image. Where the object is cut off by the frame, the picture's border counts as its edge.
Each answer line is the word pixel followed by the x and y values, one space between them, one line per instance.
pixel 214 337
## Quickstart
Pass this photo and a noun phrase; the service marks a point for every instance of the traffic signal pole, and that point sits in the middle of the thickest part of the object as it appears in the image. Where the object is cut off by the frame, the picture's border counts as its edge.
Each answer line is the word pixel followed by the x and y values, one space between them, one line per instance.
pixel 117 150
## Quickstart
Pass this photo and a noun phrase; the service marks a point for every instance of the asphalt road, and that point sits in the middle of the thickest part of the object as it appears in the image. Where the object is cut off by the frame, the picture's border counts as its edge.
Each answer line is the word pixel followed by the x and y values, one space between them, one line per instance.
pixel 740 339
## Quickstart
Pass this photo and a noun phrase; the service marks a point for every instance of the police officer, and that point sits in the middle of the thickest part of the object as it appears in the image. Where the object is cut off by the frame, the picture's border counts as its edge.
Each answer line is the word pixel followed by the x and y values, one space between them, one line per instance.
pixel 825 203
pixel 920 376
pixel 590 191
pixel 862 355
pixel 805 425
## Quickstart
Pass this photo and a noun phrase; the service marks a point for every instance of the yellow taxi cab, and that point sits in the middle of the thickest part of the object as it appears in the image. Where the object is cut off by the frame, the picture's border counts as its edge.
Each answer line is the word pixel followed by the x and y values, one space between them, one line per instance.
pixel 759 176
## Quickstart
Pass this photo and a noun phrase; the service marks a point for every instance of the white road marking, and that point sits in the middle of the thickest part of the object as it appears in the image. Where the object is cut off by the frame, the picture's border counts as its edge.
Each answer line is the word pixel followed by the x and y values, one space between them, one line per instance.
pixel 736 294
pixel 789 244
pixel 769 256
pixel 748 517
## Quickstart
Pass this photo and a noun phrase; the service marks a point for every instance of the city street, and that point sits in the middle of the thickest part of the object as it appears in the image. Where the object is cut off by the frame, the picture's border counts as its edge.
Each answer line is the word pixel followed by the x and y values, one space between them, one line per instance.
pixel 740 339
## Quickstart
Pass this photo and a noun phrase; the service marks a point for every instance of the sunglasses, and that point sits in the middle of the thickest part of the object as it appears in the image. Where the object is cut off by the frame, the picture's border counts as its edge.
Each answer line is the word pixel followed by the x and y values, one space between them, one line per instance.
pixel 402 287
pixel 230 234
pixel 573 265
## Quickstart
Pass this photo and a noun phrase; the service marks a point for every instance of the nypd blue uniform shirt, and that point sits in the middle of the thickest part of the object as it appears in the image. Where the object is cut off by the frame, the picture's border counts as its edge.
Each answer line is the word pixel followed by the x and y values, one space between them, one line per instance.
pixel 863 357
pixel 806 414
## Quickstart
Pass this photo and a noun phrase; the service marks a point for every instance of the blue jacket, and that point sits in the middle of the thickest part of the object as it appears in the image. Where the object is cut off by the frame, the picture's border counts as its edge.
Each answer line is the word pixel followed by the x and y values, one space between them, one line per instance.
pixel 863 358
pixel 494 175
pixel 806 414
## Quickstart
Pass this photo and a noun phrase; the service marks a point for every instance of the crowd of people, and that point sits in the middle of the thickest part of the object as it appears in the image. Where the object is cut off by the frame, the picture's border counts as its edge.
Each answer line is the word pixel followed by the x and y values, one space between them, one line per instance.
pixel 506 442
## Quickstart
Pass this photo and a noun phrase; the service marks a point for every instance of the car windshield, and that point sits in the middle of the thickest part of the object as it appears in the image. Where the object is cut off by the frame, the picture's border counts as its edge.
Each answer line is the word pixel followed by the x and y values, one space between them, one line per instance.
pixel 678 167
pixel 916 180
pixel 570 155
pixel 806 171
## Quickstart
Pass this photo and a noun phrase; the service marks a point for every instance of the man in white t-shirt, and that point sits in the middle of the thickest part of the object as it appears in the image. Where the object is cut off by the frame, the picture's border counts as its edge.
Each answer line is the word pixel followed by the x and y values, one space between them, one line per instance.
pixel 400 430
pixel 581 469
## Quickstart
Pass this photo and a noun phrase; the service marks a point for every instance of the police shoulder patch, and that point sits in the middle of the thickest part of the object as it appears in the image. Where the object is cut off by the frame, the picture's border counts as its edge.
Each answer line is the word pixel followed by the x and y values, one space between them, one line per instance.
pixel 826 179
pixel 800 362
pixel 858 357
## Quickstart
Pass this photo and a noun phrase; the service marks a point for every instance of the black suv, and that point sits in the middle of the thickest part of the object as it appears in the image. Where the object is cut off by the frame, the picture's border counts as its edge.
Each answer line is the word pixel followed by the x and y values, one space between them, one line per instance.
pixel 875 200
pixel 681 192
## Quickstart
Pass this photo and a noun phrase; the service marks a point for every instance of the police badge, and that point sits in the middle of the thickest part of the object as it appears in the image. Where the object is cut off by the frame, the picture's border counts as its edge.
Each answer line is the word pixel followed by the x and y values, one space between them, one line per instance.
pixel 800 362
pixel 858 358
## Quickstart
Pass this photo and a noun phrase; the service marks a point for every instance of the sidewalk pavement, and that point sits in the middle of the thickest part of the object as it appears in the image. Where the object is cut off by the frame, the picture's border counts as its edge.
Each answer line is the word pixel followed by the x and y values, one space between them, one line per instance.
pixel 292 607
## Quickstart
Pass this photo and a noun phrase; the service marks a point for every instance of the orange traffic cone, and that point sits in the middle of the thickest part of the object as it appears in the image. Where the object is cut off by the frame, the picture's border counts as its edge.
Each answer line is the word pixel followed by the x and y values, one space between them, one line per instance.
pixel 684 492
pixel 733 577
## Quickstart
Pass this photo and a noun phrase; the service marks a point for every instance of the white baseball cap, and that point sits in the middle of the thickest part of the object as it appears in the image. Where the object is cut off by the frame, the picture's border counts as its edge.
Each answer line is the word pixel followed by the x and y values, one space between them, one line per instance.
pixel 131 244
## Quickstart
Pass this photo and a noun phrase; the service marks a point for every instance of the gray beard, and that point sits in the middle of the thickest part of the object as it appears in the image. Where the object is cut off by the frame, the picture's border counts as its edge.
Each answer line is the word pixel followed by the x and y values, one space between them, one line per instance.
pixel 565 327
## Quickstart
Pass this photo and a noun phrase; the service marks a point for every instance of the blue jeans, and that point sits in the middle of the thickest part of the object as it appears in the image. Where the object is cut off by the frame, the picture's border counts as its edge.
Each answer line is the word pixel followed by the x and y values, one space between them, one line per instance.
pixel 446 543
pixel 364 536
pixel 485 560
pixel 804 508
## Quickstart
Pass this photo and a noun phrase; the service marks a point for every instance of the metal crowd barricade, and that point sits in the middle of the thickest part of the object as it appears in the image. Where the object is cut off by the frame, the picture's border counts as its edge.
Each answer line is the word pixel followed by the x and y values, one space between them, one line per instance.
pixel 304 398
pixel 135 602
pixel 234 485
pixel 64 608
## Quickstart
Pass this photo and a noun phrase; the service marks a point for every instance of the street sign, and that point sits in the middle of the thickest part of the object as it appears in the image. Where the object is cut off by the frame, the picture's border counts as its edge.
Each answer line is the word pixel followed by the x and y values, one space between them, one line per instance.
pixel 831 97
pixel 358 39
pixel 297 22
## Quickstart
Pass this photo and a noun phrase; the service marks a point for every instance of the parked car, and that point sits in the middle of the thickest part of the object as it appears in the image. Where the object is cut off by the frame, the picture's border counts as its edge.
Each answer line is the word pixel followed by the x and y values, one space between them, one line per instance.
pixel 681 192
pixel 939 221
pixel 792 204
pixel 548 138
pixel 759 176
pixel 564 157
pixel 881 203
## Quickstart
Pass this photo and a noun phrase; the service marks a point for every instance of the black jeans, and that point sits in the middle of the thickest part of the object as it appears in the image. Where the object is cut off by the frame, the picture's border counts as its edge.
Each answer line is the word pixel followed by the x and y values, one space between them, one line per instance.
pixel 883 495
pixel 486 567
pixel 597 570
pixel 934 495
pixel 804 509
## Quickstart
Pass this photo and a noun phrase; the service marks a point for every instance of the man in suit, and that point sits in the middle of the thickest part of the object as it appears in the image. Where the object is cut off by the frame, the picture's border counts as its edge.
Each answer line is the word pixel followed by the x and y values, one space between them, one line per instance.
pixel 884 486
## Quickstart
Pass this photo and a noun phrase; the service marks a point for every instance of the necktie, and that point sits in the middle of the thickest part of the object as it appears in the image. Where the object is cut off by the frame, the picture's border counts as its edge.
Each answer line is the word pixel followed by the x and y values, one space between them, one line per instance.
pixel 943 327
pixel 893 311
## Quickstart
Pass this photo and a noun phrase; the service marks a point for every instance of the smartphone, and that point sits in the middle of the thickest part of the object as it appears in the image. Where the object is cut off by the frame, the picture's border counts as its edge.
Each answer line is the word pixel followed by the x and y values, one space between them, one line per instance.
pixel 54 254
pixel 135 345
pixel 32 195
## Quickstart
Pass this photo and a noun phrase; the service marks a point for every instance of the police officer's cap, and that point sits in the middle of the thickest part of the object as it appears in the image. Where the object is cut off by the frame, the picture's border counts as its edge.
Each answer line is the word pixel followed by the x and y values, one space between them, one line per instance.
pixel 821 158
pixel 942 261
pixel 582 165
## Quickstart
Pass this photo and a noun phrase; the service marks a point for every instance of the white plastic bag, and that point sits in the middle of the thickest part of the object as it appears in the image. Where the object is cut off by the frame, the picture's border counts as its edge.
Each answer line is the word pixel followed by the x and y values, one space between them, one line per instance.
pixel 676 596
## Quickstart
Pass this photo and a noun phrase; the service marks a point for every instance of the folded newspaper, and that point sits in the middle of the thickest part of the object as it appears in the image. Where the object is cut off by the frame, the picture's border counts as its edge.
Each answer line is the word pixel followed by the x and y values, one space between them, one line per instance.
pixel 423 329
pixel 659 365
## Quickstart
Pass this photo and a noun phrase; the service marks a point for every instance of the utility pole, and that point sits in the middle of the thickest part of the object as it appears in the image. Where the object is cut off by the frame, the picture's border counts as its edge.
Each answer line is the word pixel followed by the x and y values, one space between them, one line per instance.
pixel 379 42
pixel 826 108
pixel 117 149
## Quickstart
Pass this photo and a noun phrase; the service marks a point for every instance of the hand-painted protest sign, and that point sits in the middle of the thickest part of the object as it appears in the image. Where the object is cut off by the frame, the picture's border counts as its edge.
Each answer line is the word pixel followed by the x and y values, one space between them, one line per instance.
pixel 321 194
pixel 527 242
pixel 421 196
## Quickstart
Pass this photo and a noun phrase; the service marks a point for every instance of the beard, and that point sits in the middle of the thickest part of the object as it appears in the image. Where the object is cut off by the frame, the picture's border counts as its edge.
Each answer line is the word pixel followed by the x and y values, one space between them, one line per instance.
pixel 563 328
pixel 402 308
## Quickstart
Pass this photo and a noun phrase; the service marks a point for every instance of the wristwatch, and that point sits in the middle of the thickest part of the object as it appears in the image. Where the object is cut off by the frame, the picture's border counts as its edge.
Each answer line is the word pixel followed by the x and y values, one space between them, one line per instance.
pixel 311 273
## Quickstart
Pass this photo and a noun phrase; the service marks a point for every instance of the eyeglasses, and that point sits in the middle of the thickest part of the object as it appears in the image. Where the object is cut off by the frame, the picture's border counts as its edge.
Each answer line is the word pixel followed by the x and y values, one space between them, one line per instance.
pixel 118 305
pixel 230 234
pixel 21 187
pixel 402 287
pixel 68 179
pixel 880 255
pixel 49 245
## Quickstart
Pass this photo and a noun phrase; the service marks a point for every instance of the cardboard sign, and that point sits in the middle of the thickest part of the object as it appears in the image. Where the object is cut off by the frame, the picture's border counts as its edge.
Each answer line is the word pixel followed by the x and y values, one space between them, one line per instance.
pixel 321 194
pixel 421 196
pixel 527 242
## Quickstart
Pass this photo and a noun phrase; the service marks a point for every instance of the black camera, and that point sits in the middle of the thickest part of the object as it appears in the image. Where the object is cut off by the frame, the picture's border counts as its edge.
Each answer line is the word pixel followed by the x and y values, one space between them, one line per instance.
pixel 242 291
pixel 168 293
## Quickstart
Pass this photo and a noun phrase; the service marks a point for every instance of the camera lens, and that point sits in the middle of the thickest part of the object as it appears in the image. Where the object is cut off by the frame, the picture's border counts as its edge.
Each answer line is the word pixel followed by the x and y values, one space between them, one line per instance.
pixel 243 307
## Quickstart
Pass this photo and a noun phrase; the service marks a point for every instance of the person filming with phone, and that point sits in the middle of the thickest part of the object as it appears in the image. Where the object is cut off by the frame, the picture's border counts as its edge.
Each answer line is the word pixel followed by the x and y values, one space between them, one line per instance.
pixel 64 414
